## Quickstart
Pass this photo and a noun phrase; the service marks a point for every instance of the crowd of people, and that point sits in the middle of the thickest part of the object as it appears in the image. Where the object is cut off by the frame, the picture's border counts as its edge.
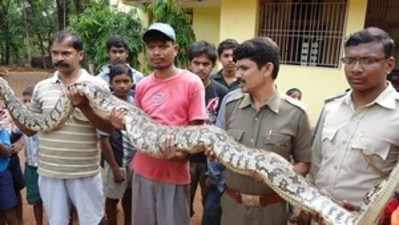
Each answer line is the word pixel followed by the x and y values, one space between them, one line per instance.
pixel 353 147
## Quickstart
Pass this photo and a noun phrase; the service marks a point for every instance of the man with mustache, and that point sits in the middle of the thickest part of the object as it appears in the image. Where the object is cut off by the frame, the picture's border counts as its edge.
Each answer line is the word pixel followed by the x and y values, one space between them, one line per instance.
pixel 202 56
pixel 356 142
pixel 227 75
pixel 259 117
pixel 68 156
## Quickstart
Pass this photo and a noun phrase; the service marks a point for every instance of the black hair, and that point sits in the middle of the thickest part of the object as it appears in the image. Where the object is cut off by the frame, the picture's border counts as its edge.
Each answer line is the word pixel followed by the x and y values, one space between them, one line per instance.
pixel 119 69
pixel 28 91
pixel 117 41
pixel 261 51
pixel 73 39
pixel 154 35
pixel 200 48
pixel 227 44
pixel 372 34
pixel 292 90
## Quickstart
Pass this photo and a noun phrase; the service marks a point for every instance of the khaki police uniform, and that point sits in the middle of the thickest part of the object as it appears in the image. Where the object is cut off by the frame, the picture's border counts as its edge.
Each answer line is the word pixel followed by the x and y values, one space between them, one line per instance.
pixel 354 149
pixel 280 126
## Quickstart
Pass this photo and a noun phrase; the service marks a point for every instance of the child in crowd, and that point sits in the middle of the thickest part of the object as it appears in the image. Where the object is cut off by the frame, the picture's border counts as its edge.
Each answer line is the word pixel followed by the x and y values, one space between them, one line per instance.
pixel 32 160
pixel 117 175
pixel 8 196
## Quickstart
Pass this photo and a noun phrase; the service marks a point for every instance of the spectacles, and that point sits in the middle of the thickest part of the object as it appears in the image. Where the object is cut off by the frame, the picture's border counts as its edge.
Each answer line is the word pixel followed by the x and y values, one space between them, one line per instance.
pixel 363 61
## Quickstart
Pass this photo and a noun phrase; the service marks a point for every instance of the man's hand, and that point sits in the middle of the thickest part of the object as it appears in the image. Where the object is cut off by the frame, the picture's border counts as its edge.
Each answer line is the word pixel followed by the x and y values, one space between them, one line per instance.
pixel 77 99
pixel 258 178
pixel 116 119
pixel 349 206
pixel 119 175
pixel 169 151
pixel 210 153
pixel 304 218
pixel 18 146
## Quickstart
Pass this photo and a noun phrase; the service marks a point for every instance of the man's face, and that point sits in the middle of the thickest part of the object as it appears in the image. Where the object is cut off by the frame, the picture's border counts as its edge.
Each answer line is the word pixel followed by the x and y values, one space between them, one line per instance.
pixel 118 55
pixel 367 67
pixel 65 58
pixel 121 85
pixel 296 95
pixel 250 77
pixel 161 54
pixel 202 66
pixel 226 59
pixel 26 99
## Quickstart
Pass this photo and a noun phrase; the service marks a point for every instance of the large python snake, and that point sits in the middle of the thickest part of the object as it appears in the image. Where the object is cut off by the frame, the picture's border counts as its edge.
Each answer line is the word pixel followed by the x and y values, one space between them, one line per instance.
pixel 148 136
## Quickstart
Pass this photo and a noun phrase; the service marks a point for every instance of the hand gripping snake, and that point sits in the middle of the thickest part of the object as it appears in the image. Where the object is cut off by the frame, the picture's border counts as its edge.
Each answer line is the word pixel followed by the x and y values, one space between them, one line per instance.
pixel 149 136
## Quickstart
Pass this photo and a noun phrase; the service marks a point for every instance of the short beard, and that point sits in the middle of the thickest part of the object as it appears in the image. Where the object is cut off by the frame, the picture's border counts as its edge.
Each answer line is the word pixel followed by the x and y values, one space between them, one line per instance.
pixel 161 67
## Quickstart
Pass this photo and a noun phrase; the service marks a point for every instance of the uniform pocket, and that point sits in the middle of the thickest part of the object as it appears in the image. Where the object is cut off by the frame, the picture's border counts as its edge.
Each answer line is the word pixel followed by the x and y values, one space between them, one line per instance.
pixel 328 134
pixel 328 148
pixel 278 142
pixel 370 154
pixel 376 147
pixel 236 134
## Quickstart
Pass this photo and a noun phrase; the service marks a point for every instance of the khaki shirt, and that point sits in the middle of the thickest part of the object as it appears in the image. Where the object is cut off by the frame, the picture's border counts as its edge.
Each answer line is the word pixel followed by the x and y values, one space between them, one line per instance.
pixel 280 126
pixel 345 137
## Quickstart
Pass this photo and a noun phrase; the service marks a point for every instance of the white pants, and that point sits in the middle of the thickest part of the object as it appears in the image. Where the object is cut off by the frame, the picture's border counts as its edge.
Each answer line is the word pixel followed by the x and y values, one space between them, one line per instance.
pixel 86 194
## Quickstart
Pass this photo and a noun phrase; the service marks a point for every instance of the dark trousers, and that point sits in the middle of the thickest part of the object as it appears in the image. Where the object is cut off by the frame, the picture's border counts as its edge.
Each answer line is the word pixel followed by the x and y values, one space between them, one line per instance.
pixel 197 170
pixel 212 208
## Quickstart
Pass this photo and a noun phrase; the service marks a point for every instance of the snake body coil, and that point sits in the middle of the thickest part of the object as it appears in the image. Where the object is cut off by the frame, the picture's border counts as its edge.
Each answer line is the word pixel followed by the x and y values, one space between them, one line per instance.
pixel 148 136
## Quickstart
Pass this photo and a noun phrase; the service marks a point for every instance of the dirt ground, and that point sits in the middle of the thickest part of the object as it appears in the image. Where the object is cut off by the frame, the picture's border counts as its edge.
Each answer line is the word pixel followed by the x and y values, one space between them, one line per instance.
pixel 22 77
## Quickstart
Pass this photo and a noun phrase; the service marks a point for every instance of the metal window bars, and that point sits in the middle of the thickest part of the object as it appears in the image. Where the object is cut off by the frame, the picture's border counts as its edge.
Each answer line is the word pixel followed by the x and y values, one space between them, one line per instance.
pixel 309 33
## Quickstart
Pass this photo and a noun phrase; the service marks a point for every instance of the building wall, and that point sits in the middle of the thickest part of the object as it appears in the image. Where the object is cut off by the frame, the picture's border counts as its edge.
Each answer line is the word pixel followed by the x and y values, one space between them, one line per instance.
pixel 206 22
pixel 238 19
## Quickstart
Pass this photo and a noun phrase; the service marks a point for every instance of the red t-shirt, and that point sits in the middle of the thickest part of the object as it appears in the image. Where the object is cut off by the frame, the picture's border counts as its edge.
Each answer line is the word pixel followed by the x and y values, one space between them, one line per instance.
pixel 176 101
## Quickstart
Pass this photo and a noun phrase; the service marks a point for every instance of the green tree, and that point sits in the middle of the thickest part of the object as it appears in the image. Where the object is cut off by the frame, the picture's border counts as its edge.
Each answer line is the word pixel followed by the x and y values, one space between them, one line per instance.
pixel 96 25
pixel 168 11
pixel 12 32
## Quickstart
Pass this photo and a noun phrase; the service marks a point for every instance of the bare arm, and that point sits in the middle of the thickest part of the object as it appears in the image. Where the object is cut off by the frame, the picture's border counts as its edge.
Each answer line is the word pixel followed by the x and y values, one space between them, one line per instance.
pixel 20 126
pixel 110 158
pixel 94 119
pixel 4 152
pixel 80 101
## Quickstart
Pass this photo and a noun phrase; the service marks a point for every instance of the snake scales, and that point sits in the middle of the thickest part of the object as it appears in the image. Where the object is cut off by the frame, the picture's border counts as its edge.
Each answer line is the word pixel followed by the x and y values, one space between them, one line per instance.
pixel 148 136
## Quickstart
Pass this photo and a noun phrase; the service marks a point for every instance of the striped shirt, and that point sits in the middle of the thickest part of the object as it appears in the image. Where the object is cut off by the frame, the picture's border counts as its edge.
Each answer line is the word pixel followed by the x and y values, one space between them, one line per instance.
pixel 71 150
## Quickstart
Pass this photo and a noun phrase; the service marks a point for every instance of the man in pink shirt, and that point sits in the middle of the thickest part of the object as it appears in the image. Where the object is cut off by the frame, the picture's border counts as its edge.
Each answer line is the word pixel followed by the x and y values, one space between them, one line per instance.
pixel 171 96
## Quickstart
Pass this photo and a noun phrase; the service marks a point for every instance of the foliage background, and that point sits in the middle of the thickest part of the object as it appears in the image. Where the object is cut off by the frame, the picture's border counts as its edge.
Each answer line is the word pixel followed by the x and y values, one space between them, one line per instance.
pixel 168 11
pixel 27 27
pixel 98 23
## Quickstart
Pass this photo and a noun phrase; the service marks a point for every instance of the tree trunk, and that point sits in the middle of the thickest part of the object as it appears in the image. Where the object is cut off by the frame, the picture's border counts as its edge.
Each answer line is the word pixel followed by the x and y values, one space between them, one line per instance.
pixel 4 6
pixel 42 50
pixel 62 14
pixel 78 6
pixel 28 28
pixel 7 53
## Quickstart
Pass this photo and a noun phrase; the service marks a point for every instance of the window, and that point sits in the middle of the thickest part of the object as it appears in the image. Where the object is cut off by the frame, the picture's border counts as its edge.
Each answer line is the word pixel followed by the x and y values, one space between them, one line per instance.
pixel 309 33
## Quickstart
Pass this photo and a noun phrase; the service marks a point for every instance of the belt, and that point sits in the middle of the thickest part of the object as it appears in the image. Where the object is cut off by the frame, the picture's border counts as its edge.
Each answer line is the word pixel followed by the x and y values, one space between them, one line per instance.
pixel 253 200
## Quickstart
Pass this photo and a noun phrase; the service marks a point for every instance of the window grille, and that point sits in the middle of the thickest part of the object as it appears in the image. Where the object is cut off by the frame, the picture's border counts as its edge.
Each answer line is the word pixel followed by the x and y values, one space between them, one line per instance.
pixel 309 33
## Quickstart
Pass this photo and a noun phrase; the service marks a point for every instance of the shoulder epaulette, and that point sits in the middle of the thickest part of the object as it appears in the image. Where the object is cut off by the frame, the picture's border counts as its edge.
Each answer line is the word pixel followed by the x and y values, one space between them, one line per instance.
pixel 233 95
pixel 294 102
pixel 334 98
